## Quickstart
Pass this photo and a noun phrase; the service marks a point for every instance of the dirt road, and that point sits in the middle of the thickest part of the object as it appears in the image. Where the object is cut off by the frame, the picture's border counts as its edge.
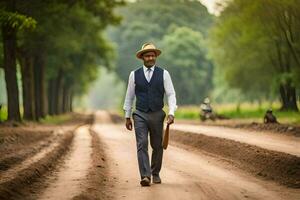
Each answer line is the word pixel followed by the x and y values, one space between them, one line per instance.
pixel 99 161
pixel 185 174
pixel 72 174
pixel 281 143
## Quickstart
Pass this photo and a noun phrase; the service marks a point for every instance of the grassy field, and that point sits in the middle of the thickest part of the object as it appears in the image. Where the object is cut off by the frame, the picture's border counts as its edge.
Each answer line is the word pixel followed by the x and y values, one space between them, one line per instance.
pixel 59 119
pixel 245 111
pixel 3 113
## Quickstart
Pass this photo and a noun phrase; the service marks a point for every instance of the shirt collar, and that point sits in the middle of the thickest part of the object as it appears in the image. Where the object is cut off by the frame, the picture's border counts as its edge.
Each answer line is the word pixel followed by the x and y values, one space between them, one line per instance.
pixel 145 68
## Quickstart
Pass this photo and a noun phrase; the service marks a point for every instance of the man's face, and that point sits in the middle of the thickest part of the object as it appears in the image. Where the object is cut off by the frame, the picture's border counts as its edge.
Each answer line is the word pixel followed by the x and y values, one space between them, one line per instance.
pixel 149 59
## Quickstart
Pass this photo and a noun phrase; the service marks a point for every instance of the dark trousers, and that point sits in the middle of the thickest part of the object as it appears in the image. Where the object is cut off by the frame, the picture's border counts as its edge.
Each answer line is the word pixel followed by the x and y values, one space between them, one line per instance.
pixel 145 124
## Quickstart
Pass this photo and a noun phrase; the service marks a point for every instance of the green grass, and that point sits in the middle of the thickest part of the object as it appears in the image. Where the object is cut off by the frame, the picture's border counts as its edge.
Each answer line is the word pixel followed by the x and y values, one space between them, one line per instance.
pixel 246 111
pixel 189 112
pixel 58 119
pixel 3 114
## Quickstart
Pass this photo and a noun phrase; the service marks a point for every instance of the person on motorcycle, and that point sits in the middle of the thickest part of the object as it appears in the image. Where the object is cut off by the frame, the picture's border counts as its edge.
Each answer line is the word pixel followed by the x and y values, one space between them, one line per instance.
pixel 206 110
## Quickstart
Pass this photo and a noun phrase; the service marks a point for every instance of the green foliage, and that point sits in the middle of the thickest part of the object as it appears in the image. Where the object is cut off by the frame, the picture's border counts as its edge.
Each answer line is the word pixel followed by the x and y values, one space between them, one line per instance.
pixel 184 56
pixel 253 45
pixel 57 120
pixel 187 114
pixel 169 24
pixel 16 20
pixel 69 38
pixel 248 112
pixel 3 113
pixel 112 98
pixel 57 43
pixel 257 114
pixel 78 50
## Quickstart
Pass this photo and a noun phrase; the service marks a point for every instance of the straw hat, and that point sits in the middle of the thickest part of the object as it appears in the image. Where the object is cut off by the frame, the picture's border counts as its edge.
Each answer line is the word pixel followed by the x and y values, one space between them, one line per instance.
pixel 147 47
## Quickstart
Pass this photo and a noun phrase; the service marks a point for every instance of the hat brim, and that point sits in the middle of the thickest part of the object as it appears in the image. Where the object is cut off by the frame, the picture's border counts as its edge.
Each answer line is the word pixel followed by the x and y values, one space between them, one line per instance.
pixel 140 53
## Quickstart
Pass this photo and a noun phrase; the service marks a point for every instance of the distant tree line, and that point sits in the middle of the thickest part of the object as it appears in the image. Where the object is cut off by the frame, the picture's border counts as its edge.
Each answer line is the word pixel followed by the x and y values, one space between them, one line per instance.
pixel 252 48
pixel 248 53
pixel 58 45
pixel 179 28
pixel 256 48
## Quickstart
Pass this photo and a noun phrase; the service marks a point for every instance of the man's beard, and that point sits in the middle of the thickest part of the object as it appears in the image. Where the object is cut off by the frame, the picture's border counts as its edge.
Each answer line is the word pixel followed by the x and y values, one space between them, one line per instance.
pixel 149 63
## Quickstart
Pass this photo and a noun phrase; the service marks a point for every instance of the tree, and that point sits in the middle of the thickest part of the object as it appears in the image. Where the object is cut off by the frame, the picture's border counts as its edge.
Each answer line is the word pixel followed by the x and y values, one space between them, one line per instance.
pixel 65 49
pixel 249 39
pixel 11 22
pixel 74 56
pixel 151 21
pixel 185 57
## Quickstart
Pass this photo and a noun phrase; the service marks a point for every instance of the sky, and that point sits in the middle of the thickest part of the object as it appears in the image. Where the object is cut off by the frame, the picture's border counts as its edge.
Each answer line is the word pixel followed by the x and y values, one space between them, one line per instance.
pixel 210 4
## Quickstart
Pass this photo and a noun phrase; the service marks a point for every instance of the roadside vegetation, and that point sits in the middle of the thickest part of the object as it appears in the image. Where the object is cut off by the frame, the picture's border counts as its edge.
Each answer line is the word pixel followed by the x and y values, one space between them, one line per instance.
pixel 52 52
pixel 248 112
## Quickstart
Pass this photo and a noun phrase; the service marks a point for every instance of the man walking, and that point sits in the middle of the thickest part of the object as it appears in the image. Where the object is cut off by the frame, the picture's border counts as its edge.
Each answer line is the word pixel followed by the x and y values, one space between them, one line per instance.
pixel 148 84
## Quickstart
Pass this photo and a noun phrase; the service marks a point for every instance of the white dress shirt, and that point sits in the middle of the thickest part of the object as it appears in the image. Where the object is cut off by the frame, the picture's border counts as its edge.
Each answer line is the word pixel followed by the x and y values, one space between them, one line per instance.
pixel 168 86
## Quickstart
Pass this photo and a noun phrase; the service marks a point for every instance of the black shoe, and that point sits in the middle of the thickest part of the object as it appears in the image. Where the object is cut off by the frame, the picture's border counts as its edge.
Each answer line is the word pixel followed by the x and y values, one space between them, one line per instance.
pixel 156 179
pixel 145 181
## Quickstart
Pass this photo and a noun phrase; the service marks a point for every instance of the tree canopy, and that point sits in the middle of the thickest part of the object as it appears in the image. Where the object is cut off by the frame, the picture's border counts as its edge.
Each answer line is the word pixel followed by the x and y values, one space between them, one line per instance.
pixel 179 28
pixel 256 46
pixel 59 46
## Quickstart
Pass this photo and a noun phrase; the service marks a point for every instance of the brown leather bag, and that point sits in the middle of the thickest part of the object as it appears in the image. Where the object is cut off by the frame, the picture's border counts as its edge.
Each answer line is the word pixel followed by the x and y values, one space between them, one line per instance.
pixel 166 137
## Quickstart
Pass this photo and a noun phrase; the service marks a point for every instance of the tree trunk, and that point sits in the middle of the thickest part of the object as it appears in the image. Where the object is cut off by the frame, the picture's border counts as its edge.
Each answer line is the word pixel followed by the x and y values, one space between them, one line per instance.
pixel 26 63
pixel 37 90
pixel 66 99
pixel 58 93
pixel 41 100
pixel 71 100
pixel 51 97
pixel 288 97
pixel 10 69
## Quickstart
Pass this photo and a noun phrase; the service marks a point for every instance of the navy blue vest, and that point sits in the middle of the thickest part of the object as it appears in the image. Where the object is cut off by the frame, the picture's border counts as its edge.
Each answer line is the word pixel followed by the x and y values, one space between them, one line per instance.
pixel 149 96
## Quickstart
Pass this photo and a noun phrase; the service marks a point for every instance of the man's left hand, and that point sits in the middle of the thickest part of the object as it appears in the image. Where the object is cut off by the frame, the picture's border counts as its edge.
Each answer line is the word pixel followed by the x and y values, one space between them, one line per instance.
pixel 170 119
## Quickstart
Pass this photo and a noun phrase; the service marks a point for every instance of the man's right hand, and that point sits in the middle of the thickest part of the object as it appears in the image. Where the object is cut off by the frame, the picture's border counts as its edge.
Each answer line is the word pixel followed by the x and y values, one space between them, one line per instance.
pixel 128 124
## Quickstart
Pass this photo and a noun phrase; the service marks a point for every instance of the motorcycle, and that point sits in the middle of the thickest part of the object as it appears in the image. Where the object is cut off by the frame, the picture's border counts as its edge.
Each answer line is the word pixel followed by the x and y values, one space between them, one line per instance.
pixel 206 115
pixel 207 112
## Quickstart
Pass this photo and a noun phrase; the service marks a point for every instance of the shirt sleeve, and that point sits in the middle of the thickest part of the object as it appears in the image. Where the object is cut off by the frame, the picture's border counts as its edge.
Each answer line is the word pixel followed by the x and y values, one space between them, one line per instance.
pixel 170 93
pixel 130 94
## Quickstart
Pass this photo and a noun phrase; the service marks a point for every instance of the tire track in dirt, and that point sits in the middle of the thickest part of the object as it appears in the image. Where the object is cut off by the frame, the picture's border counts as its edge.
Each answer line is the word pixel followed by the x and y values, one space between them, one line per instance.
pixel 9 174
pixel 265 164
pixel 71 176
pixel 15 181
pixel 280 143
pixel 186 174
